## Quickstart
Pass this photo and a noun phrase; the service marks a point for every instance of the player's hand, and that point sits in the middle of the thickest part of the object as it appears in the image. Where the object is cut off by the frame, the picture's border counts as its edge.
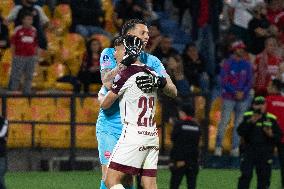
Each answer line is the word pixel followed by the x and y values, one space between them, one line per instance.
pixel 133 46
pixel 148 82
pixel 145 83
pixel 128 59
pixel 255 117
pixel 268 131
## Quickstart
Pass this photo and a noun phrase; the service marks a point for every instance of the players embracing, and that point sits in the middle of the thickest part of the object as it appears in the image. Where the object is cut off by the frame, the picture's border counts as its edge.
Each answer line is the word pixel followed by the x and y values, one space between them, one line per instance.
pixel 109 126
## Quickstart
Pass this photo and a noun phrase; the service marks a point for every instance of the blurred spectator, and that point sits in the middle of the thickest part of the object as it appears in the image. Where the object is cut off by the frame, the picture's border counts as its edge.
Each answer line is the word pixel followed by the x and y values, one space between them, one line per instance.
pixel 260 133
pixel 3 156
pixel 88 17
pixel 90 67
pixel 259 29
pixel 4 37
pixel 205 29
pixel 275 105
pixel 274 11
pixel 129 9
pixel 165 50
pixel 195 68
pixel 182 6
pixel 173 64
pixel 241 10
pixel 150 14
pixel 184 154
pixel 236 77
pixel 40 20
pixel 155 37
pixel 266 66
pixel 24 47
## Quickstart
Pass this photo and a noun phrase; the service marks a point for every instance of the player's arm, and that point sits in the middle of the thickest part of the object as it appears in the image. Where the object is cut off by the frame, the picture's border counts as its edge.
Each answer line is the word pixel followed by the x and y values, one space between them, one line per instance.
pixel 108 75
pixel 108 100
pixel 163 81
pixel 170 88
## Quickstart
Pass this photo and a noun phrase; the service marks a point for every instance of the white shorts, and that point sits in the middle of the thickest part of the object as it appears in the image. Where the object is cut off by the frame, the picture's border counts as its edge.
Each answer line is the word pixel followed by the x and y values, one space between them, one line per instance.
pixel 136 151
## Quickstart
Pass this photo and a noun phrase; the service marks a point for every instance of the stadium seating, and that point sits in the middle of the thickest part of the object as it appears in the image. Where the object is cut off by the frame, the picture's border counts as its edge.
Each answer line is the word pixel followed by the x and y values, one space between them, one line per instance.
pixel 63 12
pixel 86 137
pixel 109 11
pixel 6 6
pixel 95 88
pixel 42 109
pixel 5 68
pixel 47 11
pixel 18 109
pixel 62 110
pixel 52 136
pixel 19 136
pixel 87 110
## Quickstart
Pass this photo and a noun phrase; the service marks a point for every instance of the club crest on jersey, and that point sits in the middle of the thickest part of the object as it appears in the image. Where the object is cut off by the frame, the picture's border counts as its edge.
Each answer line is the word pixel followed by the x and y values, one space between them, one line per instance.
pixel 106 60
pixel 107 154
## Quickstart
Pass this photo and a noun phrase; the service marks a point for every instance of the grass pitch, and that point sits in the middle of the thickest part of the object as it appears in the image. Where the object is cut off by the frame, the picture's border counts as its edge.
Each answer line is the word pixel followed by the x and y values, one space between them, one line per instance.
pixel 207 179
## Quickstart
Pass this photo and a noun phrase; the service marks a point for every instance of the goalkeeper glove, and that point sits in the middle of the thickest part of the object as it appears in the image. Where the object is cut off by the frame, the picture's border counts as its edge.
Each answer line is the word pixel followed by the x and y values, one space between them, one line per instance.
pixel 133 46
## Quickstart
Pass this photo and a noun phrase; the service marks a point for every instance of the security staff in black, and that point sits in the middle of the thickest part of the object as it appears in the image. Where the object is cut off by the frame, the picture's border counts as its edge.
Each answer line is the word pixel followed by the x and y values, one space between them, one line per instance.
pixel 259 133
pixel 184 154
pixel 3 141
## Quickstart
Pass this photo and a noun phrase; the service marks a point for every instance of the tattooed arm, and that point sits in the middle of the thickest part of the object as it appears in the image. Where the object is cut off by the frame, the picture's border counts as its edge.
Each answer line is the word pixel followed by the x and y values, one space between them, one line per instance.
pixel 108 75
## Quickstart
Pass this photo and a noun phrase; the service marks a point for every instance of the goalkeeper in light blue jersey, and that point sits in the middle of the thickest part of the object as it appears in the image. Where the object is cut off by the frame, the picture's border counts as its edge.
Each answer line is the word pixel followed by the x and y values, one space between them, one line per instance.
pixel 109 126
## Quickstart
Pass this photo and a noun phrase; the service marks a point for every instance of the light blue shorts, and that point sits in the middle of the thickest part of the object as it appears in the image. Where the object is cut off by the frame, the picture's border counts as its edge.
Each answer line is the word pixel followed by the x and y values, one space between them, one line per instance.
pixel 106 144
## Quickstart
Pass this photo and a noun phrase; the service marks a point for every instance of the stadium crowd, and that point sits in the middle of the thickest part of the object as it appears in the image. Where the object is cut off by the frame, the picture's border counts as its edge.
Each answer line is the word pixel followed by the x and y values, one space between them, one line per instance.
pixel 231 50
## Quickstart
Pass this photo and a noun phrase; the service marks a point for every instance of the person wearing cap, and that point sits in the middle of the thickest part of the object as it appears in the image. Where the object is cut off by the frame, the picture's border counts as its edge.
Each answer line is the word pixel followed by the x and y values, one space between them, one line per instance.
pixel 259 132
pixel 236 74
pixel 184 153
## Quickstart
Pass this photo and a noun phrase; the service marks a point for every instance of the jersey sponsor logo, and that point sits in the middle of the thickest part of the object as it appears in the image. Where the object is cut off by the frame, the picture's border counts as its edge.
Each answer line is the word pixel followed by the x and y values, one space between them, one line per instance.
pixel 143 148
pixel 190 128
pixel 107 154
pixel 148 133
pixel 27 39
pixel 278 103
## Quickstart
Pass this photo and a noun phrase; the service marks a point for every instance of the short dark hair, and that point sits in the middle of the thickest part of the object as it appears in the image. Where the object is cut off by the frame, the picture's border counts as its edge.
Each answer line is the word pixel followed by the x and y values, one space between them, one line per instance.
pixel 130 24
pixel 156 24
pixel 26 13
pixel 117 41
pixel 187 108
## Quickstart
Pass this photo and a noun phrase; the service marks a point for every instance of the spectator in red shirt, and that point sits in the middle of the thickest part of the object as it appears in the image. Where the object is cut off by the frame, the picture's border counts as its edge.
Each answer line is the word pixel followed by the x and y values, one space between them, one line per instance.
pixel 275 105
pixel 24 46
pixel 90 67
pixel 274 11
pixel 266 66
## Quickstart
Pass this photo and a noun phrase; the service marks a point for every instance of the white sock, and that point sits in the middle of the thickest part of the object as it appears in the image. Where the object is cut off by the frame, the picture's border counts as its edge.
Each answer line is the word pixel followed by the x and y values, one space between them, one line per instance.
pixel 118 186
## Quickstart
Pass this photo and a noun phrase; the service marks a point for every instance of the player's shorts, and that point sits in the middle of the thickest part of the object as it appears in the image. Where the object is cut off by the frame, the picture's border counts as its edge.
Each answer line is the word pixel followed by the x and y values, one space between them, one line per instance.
pixel 136 153
pixel 106 144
